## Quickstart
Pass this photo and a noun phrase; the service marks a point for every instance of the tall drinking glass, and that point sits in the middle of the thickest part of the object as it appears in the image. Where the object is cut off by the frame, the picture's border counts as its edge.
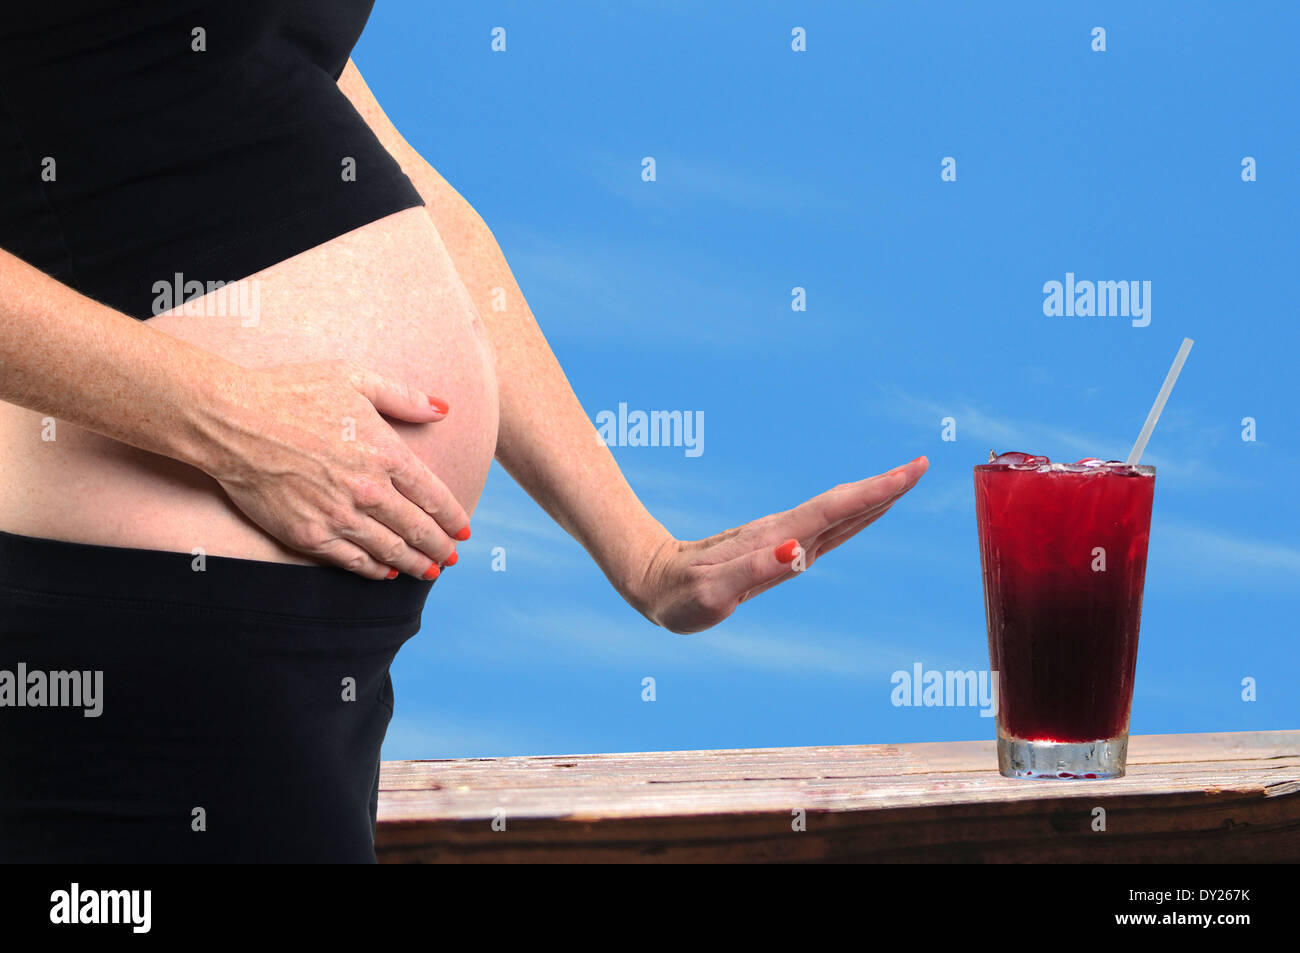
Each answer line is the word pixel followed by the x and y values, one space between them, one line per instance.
pixel 1064 553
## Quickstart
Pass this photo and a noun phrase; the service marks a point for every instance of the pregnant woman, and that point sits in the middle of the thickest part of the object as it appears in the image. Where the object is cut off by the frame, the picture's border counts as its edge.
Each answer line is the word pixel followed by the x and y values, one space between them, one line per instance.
pixel 251 382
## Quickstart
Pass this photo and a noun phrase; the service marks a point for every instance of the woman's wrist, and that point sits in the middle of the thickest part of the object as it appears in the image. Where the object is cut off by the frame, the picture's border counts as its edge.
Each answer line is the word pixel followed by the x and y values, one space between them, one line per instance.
pixel 208 407
pixel 630 566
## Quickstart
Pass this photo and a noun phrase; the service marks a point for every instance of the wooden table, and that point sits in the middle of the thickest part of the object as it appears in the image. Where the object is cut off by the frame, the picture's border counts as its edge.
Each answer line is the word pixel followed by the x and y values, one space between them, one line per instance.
pixel 1207 798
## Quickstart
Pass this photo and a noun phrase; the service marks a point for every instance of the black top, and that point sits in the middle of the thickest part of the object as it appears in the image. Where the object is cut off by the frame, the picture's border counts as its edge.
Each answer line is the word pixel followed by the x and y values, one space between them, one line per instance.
pixel 142 139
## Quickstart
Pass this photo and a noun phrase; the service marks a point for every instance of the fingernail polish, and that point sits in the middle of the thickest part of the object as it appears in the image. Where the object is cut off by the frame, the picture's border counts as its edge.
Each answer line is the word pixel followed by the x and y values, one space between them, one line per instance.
pixel 451 560
pixel 785 553
pixel 462 535
pixel 438 404
pixel 392 574
pixel 432 572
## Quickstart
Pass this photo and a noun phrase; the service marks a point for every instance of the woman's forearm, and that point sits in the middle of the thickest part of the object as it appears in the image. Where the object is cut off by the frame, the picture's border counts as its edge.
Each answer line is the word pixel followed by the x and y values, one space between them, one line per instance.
pixel 546 441
pixel 69 357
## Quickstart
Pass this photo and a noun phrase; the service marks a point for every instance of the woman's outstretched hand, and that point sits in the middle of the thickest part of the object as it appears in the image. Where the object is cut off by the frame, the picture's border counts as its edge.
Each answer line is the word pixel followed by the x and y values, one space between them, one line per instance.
pixel 303 451
pixel 692 585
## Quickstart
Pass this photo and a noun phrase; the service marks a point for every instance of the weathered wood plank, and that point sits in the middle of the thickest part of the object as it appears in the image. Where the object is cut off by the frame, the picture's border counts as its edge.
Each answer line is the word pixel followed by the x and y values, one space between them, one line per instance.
pixel 1226 797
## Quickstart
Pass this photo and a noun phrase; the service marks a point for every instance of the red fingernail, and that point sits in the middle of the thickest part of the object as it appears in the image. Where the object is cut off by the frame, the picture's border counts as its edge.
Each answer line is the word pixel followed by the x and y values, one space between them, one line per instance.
pixel 786 551
pixel 440 405
pixel 432 572
pixel 451 560
pixel 462 535
pixel 392 574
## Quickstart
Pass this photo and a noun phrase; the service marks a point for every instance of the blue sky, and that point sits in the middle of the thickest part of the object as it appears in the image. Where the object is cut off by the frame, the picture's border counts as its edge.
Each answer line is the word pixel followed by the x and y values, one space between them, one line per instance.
pixel 821 169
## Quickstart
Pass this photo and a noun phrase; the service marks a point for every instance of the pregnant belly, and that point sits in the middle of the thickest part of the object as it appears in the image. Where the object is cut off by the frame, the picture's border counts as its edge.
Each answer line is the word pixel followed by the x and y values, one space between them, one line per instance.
pixel 385 296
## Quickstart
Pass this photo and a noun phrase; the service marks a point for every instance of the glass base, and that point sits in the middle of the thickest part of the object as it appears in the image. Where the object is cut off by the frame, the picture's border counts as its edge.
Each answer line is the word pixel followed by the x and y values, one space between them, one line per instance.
pixel 1062 761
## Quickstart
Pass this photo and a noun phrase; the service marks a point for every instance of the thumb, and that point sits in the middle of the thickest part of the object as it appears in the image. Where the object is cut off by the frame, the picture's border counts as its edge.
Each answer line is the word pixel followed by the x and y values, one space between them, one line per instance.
pixel 398 399
pixel 762 567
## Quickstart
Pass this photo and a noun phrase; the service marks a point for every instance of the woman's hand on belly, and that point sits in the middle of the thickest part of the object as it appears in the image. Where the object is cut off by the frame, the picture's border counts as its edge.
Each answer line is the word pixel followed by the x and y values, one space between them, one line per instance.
pixel 302 450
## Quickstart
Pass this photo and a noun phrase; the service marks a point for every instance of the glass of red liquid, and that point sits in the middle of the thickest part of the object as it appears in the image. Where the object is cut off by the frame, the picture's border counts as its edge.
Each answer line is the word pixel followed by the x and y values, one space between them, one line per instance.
pixel 1064 551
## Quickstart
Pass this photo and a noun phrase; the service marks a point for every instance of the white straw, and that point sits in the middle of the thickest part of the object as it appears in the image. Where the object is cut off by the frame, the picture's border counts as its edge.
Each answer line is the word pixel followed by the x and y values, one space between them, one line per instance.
pixel 1159 405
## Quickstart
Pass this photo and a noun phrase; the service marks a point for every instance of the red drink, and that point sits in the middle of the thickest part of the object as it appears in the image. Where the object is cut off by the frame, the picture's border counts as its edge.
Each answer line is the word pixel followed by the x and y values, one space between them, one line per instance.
pixel 1064 551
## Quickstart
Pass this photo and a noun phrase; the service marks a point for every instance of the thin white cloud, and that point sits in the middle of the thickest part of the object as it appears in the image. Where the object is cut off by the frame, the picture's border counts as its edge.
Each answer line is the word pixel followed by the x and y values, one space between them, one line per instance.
pixel 1221 554
pixel 695 181
pixel 1002 434
pixel 592 638
pixel 633 297
pixel 508 511
pixel 944 498
pixel 419 735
